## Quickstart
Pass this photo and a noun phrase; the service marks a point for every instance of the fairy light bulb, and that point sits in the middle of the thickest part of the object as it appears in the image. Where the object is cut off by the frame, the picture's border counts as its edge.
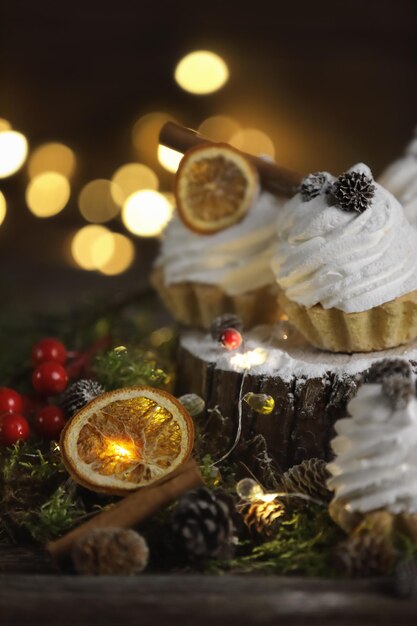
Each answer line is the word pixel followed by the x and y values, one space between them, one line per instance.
pixel 261 403
pixel 249 490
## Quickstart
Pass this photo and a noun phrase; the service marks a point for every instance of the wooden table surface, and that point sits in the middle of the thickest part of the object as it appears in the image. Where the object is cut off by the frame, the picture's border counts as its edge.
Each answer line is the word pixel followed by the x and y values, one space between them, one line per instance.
pixel 32 592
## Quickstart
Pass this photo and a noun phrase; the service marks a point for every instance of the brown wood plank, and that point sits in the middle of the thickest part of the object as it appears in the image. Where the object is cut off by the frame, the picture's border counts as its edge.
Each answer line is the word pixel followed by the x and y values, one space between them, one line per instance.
pixel 190 600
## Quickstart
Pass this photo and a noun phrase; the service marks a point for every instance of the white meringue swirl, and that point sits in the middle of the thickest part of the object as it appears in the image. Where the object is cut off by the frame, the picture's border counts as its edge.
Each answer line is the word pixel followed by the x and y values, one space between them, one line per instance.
pixel 400 178
pixel 237 259
pixel 347 260
pixel 376 454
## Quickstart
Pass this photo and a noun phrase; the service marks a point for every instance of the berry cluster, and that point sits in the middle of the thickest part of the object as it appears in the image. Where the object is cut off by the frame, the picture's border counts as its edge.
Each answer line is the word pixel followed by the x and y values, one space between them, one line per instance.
pixel 49 378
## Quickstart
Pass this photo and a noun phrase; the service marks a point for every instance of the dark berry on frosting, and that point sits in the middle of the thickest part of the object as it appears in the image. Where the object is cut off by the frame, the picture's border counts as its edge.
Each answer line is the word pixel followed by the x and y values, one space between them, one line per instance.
pixel 387 368
pixel 398 390
pixel 353 191
pixel 313 185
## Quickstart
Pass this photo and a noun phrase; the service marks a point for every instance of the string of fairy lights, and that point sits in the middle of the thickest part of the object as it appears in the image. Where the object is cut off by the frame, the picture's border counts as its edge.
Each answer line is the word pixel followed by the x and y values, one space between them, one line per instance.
pixel 133 193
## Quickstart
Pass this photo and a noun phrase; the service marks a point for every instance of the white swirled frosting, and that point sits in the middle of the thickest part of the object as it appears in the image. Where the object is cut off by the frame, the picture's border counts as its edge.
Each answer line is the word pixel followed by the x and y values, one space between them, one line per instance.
pixel 347 260
pixel 236 259
pixel 400 178
pixel 376 454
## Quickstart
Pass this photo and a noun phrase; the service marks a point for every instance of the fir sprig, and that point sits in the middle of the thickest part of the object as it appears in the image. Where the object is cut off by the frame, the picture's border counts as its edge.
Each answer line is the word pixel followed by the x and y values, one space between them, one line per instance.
pixel 126 367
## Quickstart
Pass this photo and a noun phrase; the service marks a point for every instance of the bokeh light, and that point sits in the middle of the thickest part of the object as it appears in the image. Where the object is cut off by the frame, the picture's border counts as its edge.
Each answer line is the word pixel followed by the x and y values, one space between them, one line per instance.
pixel 253 141
pixel 169 159
pixel 122 257
pixel 100 200
pixel 52 157
pixel 146 213
pixel 3 208
pixel 86 246
pixel 133 177
pixel 13 152
pixel 4 125
pixel 201 72
pixel 47 194
pixel 219 128
pixel 145 134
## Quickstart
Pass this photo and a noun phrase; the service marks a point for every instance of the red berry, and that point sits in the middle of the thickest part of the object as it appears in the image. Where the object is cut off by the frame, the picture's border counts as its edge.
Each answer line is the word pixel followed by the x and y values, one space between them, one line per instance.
pixel 230 338
pixel 10 400
pixel 49 378
pixel 49 422
pixel 13 428
pixel 49 349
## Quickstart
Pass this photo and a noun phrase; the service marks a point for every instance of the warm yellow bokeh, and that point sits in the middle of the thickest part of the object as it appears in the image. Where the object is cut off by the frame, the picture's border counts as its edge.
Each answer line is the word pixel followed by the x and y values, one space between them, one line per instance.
pixel 146 213
pixel 122 257
pixel 52 157
pixel 13 152
pixel 3 208
pixel 47 194
pixel 169 159
pixel 253 141
pixel 100 200
pixel 133 177
pixel 85 246
pixel 219 128
pixel 145 134
pixel 4 125
pixel 201 72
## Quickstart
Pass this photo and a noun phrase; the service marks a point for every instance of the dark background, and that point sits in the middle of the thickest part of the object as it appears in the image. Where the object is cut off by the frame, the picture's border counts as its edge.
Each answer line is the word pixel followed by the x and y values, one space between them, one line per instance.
pixel 333 83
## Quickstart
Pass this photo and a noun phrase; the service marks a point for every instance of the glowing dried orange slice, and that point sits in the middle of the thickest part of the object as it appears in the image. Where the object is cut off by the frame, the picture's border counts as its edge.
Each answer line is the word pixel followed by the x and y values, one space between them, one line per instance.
pixel 127 439
pixel 215 185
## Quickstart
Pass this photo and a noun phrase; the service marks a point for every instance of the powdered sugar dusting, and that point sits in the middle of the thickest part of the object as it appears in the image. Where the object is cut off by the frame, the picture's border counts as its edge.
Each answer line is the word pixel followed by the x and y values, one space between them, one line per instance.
pixel 285 358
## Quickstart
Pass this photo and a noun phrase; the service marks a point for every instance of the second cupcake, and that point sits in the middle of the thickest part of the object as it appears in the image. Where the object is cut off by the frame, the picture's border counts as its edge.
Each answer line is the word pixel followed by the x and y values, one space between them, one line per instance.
pixel 346 264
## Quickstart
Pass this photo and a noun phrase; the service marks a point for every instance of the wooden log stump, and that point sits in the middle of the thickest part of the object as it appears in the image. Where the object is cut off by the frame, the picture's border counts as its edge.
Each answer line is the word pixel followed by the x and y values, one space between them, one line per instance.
pixel 311 388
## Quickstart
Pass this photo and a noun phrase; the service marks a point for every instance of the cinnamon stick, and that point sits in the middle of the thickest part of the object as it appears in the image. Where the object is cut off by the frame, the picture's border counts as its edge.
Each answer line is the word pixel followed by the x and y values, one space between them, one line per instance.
pixel 133 509
pixel 274 178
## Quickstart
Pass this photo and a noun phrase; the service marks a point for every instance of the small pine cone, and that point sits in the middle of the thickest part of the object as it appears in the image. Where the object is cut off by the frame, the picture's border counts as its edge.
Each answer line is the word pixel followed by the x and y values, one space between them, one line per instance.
pixel 381 370
pixel 365 554
pixel 398 390
pixel 353 191
pixel 228 320
pixel 405 579
pixel 203 523
pixel 308 478
pixel 263 519
pixel 313 185
pixel 110 551
pixel 79 394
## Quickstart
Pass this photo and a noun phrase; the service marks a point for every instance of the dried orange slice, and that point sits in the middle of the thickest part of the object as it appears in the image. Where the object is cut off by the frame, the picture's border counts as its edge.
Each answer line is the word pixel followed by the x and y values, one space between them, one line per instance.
pixel 127 439
pixel 215 185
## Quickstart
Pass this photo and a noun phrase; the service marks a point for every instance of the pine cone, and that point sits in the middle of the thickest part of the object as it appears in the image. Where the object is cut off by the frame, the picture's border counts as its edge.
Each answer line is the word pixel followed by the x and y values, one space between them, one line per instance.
pixel 204 526
pixel 228 320
pixel 398 390
pixel 365 554
pixel 110 551
pixel 353 191
pixel 313 185
pixel 263 519
pixel 405 579
pixel 381 370
pixel 308 478
pixel 79 394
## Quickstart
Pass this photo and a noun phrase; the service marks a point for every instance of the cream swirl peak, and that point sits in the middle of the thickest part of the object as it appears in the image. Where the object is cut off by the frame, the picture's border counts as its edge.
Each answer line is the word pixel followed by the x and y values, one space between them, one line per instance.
pixel 236 259
pixel 348 258
pixel 376 454
pixel 400 178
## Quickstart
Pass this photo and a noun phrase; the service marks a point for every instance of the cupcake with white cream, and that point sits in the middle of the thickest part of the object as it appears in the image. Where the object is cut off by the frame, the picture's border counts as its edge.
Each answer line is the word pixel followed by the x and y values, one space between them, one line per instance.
pixel 400 178
pixel 346 264
pixel 200 277
pixel 375 467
